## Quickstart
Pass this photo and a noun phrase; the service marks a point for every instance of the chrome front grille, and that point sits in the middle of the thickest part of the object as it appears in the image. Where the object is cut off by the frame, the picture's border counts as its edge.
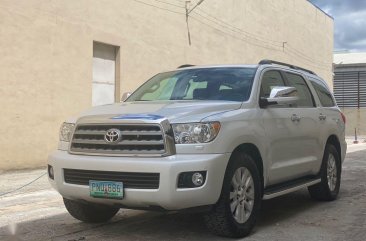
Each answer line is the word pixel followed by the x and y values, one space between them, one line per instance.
pixel 144 139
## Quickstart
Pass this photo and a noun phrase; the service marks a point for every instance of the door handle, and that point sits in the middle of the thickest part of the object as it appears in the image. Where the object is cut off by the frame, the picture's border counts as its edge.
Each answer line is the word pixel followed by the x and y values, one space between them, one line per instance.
pixel 322 117
pixel 295 117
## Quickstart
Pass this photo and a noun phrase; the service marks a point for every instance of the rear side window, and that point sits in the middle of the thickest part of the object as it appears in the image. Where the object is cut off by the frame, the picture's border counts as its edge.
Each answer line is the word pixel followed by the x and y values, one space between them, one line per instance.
pixel 305 97
pixel 325 96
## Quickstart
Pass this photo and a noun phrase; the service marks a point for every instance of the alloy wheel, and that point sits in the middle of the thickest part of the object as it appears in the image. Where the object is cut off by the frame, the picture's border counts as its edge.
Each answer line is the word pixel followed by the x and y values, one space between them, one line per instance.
pixel 331 172
pixel 242 195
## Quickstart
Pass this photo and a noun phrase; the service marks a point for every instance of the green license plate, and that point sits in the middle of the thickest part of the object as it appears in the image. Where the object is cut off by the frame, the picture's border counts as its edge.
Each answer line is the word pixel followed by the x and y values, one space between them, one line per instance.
pixel 106 189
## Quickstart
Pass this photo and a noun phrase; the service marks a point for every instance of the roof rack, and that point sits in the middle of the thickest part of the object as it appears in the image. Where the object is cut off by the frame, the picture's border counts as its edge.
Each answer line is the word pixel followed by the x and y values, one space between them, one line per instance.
pixel 268 61
pixel 185 66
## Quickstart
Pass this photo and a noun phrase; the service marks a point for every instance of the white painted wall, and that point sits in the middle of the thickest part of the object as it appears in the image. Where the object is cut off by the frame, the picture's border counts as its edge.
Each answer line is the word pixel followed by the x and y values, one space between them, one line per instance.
pixel 46 49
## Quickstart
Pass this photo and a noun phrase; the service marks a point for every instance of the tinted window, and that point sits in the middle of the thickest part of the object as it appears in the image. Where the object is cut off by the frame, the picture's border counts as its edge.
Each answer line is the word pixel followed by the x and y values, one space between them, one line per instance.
pixel 305 97
pixel 192 88
pixel 161 91
pixel 270 80
pixel 324 95
pixel 230 84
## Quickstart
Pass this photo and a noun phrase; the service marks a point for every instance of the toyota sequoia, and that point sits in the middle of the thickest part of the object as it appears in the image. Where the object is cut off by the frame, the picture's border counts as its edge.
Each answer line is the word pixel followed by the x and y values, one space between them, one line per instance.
pixel 217 139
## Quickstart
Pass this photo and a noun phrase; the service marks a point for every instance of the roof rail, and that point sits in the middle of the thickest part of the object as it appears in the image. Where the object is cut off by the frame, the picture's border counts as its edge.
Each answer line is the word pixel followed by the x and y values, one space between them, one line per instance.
pixel 268 61
pixel 185 66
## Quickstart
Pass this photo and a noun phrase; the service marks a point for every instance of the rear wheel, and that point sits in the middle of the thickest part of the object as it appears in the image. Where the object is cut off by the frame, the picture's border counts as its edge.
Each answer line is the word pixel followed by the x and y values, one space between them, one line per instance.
pixel 235 213
pixel 89 213
pixel 330 173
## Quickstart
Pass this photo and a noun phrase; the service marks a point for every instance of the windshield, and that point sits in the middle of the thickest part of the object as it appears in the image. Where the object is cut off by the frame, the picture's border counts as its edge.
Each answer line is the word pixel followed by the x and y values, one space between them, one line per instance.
pixel 229 83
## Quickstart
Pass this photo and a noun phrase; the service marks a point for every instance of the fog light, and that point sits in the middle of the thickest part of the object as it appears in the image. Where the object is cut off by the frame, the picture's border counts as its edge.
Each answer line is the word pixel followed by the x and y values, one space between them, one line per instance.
pixel 197 179
pixel 50 172
pixel 191 179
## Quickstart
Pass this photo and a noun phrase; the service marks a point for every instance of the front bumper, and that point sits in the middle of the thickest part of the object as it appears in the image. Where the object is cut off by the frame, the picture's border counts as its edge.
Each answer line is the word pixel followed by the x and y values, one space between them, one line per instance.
pixel 167 196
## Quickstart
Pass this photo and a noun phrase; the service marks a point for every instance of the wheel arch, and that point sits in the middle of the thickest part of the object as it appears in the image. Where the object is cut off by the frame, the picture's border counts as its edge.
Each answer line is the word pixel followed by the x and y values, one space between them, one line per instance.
pixel 254 152
pixel 333 139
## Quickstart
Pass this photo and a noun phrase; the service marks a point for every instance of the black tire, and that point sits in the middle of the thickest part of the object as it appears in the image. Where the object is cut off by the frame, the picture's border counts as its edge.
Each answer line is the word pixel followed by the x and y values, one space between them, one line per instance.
pixel 89 213
pixel 322 191
pixel 220 220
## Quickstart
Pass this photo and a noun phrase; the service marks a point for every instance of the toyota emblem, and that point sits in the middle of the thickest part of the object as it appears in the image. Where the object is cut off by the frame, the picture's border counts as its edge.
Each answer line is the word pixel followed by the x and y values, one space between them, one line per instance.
pixel 113 136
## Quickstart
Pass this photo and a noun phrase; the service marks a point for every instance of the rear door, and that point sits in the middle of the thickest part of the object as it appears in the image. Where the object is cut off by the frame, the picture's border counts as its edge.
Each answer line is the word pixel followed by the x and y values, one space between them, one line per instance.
pixel 329 116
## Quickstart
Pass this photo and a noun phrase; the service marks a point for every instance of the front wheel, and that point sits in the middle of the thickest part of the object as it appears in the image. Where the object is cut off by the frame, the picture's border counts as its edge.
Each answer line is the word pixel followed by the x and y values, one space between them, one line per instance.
pixel 89 213
pixel 235 213
pixel 330 174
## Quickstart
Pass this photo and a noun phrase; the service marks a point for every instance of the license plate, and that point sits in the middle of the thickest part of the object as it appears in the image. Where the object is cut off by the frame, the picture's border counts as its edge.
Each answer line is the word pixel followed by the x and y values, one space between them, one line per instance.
pixel 106 189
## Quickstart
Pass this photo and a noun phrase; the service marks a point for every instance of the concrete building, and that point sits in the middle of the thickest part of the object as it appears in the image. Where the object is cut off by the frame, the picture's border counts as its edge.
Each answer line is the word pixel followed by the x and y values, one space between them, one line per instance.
pixel 61 57
pixel 350 89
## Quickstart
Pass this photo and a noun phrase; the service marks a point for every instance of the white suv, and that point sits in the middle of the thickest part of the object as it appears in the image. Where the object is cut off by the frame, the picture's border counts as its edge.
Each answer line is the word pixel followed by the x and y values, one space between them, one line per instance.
pixel 216 138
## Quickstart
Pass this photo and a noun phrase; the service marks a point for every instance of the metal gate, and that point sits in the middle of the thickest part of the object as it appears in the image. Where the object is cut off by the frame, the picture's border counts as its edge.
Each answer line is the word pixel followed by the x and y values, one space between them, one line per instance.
pixel 350 88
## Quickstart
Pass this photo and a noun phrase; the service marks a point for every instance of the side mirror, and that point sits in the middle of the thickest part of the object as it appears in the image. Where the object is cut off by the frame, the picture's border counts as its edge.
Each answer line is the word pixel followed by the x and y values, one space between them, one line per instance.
pixel 280 95
pixel 125 96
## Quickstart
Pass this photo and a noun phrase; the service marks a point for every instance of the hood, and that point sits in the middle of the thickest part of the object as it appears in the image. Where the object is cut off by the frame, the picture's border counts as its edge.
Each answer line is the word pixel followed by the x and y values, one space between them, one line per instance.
pixel 174 111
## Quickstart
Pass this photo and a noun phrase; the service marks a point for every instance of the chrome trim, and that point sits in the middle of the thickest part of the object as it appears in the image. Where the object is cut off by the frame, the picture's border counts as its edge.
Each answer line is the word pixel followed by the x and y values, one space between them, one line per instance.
pixel 168 138
pixel 141 133
pixel 292 189
pixel 112 136
pixel 120 143
pixel 164 125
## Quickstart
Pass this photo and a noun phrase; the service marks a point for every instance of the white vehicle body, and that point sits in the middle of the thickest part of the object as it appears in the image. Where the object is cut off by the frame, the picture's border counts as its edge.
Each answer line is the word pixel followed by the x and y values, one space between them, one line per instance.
pixel 288 143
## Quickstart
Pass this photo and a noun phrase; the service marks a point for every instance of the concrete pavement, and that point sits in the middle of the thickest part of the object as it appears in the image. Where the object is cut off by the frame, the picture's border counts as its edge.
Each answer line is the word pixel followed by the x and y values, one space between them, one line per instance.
pixel 36 212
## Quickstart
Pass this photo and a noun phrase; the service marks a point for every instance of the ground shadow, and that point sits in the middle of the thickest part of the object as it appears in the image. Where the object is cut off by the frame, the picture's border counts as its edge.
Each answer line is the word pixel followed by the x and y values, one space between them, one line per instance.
pixel 284 207
pixel 140 225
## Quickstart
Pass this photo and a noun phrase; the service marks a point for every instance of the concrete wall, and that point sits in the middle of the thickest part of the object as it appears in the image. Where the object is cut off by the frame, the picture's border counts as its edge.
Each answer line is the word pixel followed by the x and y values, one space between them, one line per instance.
pixel 46 53
pixel 355 119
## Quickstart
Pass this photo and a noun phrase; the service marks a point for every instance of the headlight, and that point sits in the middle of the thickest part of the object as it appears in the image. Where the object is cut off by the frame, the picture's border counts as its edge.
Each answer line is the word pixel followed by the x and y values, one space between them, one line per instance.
pixel 66 131
pixel 195 132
